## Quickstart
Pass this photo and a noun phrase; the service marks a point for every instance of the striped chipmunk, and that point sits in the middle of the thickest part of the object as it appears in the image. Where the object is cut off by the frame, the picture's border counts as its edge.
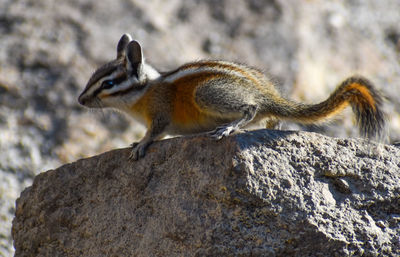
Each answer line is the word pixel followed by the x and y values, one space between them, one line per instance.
pixel 217 97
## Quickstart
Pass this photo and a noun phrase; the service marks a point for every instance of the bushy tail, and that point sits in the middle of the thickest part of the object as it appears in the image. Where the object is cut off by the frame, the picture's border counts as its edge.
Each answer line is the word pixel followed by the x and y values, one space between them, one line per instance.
pixel 356 91
pixel 367 105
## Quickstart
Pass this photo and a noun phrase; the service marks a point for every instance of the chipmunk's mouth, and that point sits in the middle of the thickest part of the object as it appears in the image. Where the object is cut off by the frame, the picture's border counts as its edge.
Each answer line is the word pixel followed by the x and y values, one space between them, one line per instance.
pixel 91 102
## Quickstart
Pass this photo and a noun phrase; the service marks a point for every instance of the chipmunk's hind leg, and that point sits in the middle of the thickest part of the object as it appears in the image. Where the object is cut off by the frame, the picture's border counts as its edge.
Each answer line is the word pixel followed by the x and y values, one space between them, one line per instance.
pixel 249 112
pixel 229 103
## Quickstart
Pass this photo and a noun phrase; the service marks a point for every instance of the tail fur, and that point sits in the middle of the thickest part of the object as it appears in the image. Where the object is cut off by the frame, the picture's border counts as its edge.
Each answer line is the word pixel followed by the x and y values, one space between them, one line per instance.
pixel 356 91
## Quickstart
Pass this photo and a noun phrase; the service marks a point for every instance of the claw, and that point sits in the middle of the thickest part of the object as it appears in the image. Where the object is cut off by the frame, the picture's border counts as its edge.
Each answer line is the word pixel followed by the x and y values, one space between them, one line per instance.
pixel 133 156
pixel 222 131
pixel 134 152
pixel 138 151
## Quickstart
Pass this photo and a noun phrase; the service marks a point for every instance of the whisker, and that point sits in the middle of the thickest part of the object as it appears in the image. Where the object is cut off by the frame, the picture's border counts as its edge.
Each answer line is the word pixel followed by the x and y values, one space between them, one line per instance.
pixel 98 103
pixel 125 102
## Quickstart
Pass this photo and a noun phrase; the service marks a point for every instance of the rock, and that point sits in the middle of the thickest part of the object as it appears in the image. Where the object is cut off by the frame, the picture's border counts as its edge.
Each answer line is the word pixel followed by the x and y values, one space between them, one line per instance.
pixel 260 193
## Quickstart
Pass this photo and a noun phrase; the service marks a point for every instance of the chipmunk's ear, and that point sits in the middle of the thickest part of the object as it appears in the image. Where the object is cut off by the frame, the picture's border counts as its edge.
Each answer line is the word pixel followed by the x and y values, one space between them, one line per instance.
pixel 123 42
pixel 134 58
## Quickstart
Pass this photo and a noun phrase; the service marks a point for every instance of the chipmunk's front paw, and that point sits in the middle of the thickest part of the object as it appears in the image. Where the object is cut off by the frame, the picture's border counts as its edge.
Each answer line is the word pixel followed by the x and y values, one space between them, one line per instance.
pixel 138 151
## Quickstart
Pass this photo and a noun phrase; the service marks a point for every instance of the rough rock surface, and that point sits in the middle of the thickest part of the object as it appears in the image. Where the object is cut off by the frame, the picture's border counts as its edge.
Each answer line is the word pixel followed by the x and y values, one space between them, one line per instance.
pixel 261 193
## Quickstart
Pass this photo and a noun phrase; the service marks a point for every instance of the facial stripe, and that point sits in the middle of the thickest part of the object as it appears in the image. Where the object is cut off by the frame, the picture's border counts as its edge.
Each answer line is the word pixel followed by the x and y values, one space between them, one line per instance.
pixel 103 71
pixel 96 88
pixel 125 87
pixel 118 80
pixel 125 92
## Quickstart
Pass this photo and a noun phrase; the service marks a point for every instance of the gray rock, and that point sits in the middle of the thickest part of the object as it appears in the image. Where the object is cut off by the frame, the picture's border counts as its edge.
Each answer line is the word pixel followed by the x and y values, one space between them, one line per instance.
pixel 261 193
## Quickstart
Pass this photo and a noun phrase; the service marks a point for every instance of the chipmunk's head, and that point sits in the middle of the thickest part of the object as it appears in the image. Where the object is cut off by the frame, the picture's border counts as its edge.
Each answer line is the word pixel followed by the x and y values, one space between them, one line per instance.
pixel 120 81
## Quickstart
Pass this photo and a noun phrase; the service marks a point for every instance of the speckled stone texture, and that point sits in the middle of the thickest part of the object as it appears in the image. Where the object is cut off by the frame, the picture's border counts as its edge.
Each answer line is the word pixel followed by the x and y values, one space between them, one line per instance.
pixel 261 193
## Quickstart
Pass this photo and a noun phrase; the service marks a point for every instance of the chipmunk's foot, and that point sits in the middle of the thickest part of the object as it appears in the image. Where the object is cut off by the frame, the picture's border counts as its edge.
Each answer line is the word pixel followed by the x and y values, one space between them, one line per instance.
pixel 223 131
pixel 138 151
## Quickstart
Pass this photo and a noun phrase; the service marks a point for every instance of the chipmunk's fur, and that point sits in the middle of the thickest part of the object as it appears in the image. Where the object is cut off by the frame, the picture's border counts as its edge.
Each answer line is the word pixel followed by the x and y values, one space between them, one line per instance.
pixel 216 96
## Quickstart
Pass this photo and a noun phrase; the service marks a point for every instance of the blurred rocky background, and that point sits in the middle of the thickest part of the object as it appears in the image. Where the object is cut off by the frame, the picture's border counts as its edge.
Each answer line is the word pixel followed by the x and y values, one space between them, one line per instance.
pixel 48 50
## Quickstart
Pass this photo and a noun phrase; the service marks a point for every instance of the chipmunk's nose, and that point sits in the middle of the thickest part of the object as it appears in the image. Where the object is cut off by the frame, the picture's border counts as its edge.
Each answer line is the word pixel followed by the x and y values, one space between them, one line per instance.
pixel 82 99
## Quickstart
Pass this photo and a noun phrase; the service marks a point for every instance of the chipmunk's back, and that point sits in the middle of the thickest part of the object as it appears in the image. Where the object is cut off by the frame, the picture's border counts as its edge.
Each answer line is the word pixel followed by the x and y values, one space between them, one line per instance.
pixel 202 93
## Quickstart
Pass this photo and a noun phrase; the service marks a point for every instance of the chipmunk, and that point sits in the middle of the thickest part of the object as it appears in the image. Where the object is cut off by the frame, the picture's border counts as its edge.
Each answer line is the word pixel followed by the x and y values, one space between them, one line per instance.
pixel 218 97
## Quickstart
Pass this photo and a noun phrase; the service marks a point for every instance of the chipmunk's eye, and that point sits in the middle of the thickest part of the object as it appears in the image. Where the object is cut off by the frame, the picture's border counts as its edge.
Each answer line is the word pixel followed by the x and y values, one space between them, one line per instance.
pixel 107 84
